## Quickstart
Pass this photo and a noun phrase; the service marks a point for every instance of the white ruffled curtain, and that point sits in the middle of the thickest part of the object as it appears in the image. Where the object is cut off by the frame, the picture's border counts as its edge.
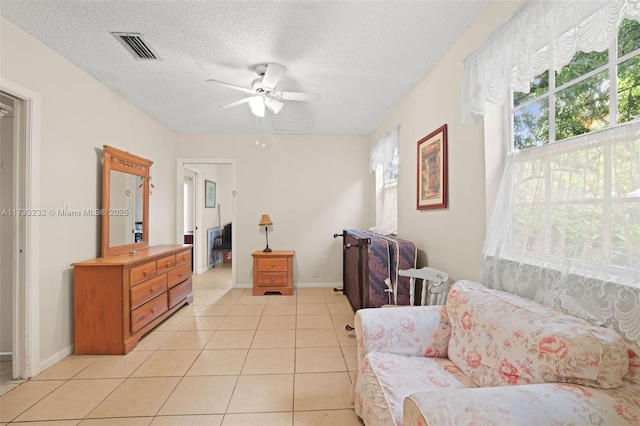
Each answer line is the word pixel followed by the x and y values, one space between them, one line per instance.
pixel 566 228
pixel 541 35
pixel 384 149
pixel 381 153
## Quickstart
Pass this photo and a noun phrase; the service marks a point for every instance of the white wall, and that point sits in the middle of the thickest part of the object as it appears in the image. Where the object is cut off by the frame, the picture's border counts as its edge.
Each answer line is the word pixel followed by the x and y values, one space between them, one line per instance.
pixel 312 186
pixel 449 239
pixel 79 116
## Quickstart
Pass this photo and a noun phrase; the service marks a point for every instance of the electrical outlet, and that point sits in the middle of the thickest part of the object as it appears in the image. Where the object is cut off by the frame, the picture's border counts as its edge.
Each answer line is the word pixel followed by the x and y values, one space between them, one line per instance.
pixel 325 259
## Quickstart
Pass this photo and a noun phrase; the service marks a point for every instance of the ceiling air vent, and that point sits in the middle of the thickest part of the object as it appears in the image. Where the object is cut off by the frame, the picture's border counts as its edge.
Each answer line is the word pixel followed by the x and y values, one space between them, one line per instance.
pixel 290 125
pixel 136 46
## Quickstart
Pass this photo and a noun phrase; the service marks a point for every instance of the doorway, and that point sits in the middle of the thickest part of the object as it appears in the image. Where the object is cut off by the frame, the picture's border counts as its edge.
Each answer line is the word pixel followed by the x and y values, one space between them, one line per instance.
pixel 222 172
pixel 7 226
pixel 190 216
pixel 19 259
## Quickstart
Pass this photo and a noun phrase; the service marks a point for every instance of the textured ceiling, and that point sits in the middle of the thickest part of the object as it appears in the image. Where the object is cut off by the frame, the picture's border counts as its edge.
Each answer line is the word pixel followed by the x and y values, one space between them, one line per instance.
pixel 363 57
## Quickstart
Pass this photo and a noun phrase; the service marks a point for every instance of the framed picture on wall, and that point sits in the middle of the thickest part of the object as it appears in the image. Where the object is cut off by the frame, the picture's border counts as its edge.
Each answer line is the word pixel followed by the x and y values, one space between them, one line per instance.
pixel 432 170
pixel 209 194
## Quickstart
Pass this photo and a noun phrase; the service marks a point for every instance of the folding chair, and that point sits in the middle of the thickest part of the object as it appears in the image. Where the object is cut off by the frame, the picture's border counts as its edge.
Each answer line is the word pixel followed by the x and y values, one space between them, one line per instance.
pixel 433 294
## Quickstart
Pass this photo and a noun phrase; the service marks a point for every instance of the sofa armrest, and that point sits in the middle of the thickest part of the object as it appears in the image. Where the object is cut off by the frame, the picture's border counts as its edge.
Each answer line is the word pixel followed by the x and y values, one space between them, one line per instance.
pixel 403 330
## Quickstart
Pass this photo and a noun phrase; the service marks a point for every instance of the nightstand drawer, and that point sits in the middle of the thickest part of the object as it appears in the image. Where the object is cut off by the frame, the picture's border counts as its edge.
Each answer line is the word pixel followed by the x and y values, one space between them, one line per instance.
pixel 272 279
pixel 273 264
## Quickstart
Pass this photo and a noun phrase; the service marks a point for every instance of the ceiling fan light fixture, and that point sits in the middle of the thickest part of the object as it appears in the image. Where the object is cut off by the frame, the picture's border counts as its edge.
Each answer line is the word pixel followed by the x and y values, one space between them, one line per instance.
pixel 274 105
pixel 256 104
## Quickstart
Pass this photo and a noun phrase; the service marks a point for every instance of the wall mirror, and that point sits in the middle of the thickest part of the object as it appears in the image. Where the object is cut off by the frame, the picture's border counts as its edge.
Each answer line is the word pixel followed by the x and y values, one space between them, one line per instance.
pixel 125 202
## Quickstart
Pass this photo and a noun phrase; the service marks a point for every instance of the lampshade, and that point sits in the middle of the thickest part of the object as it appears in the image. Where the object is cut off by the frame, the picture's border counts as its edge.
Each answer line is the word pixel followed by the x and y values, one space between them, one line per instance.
pixel 265 220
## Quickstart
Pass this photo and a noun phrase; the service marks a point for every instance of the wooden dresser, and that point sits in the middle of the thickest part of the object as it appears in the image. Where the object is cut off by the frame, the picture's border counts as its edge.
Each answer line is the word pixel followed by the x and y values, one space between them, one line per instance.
pixel 273 272
pixel 117 299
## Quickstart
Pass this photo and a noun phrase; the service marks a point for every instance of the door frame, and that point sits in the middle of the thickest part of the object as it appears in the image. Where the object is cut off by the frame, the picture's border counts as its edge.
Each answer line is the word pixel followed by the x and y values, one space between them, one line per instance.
pixel 197 216
pixel 193 162
pixel 26 267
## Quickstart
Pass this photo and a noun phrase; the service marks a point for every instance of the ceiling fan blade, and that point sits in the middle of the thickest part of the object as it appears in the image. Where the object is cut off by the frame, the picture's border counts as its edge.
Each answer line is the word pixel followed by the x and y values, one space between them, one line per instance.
pixel 240 102
pixel 271 76
pixel 298 96
pixel 233 86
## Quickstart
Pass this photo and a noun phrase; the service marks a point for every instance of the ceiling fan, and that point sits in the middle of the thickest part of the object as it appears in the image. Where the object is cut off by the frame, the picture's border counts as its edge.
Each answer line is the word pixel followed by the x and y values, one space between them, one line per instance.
pixel 263 91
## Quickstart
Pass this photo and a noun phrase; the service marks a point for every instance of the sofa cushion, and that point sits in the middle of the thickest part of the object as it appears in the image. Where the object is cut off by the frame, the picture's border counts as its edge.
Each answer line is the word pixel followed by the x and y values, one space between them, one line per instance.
pixel 539 404
pixel 633 375
pixel 385 379
pixel 499 338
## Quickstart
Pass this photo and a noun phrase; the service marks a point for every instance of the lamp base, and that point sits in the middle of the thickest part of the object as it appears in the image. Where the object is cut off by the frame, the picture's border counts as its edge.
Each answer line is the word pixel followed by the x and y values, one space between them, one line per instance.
pixel 267 250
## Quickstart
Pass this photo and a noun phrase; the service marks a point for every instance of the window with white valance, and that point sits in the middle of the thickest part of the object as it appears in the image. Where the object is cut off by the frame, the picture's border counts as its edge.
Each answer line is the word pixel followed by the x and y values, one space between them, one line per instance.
pixel 383 161
pixel 540 36
pixel 565 230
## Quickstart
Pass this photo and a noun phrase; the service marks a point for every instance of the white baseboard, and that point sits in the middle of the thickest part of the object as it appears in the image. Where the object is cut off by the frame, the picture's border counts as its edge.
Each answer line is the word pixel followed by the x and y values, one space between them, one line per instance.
pixel 299 285
pixel 323 285
pixel 57 357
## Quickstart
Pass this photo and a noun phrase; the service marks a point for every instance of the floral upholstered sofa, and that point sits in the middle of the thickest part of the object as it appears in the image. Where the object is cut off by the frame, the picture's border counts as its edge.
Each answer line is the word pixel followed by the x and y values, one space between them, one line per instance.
pixel 492 358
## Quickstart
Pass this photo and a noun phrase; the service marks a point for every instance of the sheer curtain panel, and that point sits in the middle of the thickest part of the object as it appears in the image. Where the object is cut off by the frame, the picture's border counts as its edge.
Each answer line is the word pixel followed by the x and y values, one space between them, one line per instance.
pixel 566 228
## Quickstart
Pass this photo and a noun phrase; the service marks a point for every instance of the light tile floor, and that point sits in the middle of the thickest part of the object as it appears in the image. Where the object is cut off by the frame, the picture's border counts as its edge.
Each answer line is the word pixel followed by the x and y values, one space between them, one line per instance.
pixel 228 359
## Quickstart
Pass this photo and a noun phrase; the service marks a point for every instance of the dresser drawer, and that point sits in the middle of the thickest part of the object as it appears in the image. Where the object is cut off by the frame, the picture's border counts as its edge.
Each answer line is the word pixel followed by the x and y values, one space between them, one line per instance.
pixel 272 279
pixel 164 264
pixel 146 291
pixel 141 273
pixel 183 257
pixel 148 312
pixel 177 275
pixel 179 292
pixel 275 264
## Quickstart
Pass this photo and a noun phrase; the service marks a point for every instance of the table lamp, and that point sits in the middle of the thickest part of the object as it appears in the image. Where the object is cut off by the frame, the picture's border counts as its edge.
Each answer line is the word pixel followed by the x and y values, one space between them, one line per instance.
pixel 265 221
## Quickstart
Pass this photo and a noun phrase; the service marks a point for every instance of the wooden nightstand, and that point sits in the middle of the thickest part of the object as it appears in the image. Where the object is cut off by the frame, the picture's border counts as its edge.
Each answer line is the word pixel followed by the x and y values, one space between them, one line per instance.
pixel 273 271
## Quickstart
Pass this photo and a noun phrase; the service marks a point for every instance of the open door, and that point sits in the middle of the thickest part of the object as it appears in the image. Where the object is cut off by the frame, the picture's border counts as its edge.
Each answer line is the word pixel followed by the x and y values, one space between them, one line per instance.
pixel 191 215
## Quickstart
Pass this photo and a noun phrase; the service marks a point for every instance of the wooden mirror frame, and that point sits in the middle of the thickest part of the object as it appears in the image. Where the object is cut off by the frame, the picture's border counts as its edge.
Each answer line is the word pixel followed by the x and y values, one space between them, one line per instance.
pixel 115 159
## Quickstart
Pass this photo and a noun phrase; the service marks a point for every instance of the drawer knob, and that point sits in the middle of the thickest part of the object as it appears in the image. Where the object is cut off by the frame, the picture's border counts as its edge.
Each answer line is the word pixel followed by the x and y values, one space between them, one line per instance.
pixel 152 289
pixel 273 264
pixel 153 310
pixel 168 263
pixel 272 279
pixel 144 273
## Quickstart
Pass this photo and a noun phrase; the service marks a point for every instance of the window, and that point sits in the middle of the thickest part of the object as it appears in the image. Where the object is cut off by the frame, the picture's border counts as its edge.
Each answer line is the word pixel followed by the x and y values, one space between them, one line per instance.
pixel 387 197
pixel 565 229
pixel 580 200
pixel 594 91
pixel 384 163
